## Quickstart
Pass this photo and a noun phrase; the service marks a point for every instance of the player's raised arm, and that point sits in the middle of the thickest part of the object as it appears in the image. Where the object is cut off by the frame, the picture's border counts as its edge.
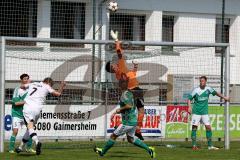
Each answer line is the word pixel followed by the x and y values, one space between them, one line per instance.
pixel 59 92
pixel 118 46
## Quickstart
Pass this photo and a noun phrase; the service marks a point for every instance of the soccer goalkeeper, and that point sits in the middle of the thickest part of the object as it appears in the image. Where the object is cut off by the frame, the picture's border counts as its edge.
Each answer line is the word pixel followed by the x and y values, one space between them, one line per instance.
pixel 199 111
pixel 129 122
pixel 120 69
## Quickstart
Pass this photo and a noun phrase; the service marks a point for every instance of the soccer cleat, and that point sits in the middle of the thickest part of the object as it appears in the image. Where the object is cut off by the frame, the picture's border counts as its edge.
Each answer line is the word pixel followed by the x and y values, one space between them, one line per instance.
pixel 11 151
pixel 18 150
pixel 98 151
pixel 38 148
pixel 30 150
pixel 195 148
pixel 139 135
pixel 213 148
pixel 152 152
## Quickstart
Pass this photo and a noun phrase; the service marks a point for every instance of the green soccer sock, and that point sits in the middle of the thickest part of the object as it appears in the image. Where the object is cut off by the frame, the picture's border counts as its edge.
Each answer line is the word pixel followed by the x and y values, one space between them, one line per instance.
pixel 29 143
pixel 107 146
pixel 194 137
pixel 209 137
pixel 141 144
pixel 12 143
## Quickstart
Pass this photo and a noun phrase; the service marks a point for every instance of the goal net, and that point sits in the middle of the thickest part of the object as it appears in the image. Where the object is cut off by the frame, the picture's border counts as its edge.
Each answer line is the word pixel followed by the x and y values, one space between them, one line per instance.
pixel 84 110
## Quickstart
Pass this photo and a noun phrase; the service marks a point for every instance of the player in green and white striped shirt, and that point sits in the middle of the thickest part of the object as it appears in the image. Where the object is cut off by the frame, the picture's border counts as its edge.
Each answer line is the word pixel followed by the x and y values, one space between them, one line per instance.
pixel 200 96
pixel 17 113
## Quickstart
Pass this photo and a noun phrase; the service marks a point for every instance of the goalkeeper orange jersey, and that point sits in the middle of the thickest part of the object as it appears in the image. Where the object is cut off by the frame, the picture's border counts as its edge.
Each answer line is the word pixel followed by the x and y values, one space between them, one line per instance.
pixel 123 71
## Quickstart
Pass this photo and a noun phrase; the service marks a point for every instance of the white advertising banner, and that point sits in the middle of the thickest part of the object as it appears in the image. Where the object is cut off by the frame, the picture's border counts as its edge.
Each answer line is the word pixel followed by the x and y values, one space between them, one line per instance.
pixel 154 121
pixel 57 121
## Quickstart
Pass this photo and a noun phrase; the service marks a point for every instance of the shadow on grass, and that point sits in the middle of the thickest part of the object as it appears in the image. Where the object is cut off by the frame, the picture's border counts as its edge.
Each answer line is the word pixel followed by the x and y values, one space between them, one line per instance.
pixel 122 156
pixel 121 152
pixel 26 155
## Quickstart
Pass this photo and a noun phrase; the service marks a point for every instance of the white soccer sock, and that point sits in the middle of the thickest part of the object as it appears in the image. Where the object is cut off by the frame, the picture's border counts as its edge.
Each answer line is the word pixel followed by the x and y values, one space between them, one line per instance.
pixel 33 135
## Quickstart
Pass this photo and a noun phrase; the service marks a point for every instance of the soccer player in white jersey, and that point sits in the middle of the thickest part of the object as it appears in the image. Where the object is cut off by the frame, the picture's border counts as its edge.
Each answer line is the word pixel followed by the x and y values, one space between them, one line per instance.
pixel 37 93
pixel 199 111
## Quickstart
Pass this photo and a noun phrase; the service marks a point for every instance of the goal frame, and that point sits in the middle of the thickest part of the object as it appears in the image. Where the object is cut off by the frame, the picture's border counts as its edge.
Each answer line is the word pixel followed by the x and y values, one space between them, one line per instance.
pixel 104 42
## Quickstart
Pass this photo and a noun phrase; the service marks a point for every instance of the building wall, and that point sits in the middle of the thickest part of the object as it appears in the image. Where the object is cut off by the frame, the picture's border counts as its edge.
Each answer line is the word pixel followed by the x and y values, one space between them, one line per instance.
pixel 192 6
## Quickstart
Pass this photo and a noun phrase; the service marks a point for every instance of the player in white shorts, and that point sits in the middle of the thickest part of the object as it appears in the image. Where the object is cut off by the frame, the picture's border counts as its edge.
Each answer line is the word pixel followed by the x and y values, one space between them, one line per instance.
pixel 37 93
pixel 17 114
pixel 200 96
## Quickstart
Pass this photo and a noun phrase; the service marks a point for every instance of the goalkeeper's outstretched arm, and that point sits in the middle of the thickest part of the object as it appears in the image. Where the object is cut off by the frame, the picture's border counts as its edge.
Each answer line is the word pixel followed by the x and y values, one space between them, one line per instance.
pixel 118 46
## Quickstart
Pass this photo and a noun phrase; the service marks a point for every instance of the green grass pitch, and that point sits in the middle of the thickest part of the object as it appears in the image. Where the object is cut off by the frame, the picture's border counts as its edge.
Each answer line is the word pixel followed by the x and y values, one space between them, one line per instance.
pixel 78 151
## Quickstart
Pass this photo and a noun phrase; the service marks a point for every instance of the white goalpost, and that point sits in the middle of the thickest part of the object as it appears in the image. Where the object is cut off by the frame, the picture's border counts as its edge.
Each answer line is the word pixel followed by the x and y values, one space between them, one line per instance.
pixel 51 57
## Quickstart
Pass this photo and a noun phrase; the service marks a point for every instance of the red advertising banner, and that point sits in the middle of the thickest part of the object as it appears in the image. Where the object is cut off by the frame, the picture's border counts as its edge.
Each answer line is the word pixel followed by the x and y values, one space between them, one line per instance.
pixel 177 114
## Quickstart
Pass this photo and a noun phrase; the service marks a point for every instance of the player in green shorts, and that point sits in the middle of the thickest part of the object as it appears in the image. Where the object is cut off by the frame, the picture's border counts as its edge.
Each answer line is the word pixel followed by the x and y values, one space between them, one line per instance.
pixel 17 114
pixel 129 115
pixel 199 110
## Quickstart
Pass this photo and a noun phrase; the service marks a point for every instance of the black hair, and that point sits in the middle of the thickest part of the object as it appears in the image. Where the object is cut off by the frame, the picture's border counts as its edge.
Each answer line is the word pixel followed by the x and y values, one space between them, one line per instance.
pixel 108 67
pixel 24 75
pixel 203 77
pixel 48 80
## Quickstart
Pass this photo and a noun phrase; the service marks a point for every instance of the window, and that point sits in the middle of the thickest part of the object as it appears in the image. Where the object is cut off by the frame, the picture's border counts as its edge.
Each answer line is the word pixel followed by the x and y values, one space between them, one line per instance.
pixel 18 19
pixel 8 95
pixel 129 27
pixel 167 31
pixel 218 33
pixel 162 95
pixel 67 21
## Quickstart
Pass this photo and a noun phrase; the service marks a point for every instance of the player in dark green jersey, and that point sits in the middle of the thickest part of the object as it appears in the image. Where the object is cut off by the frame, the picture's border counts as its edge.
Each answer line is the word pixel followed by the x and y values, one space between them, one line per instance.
pixel 199 110
pixel 17 113
pixel 129 115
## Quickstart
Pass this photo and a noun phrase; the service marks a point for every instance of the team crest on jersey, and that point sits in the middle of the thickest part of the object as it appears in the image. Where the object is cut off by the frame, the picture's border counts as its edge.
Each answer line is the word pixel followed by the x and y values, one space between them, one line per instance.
pixel 203 98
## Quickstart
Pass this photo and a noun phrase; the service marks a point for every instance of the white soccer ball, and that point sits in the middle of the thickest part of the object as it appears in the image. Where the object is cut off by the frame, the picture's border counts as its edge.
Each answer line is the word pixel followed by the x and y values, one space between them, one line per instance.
pixel 113 6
